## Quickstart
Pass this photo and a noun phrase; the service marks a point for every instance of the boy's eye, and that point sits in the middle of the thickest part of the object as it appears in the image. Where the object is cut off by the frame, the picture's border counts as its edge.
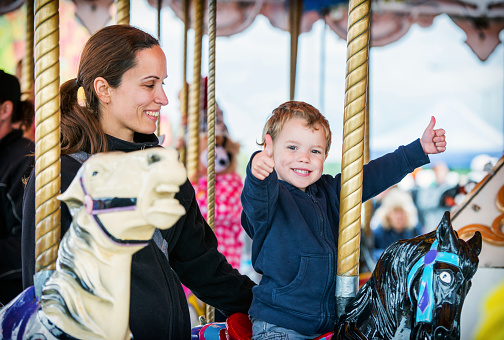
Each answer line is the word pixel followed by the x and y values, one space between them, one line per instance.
pixel 291 147
pixel 316 151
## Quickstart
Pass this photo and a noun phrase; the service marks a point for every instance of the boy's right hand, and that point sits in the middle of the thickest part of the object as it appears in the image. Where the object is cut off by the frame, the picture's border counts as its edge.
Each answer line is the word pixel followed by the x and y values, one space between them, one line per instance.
pixel 263 162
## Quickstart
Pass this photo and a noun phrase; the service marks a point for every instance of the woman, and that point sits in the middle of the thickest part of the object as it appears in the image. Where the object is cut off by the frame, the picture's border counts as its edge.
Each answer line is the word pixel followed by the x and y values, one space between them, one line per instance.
pixel 398 220
pixel 120 90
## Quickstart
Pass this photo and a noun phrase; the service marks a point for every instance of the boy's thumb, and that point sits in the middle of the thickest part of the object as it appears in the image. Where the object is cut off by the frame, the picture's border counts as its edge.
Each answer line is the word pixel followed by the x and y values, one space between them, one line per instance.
pixel 432 123
pixel 268 145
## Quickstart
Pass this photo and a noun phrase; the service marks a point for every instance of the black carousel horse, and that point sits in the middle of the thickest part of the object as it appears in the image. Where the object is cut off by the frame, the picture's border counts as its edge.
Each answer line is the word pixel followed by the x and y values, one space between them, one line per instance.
pixel 416 291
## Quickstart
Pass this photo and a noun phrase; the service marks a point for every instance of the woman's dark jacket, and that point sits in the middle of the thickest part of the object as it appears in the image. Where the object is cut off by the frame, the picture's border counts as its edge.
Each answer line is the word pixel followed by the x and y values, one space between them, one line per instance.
pixel 158 307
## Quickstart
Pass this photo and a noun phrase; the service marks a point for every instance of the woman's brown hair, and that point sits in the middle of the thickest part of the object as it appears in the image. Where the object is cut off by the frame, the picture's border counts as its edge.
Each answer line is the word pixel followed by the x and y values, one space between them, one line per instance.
pixel 108 53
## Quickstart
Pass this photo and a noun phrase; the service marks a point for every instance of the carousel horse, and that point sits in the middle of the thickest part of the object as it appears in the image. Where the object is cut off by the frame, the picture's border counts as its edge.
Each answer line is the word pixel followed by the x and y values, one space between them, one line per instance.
pixel 415 292
pixel 117 200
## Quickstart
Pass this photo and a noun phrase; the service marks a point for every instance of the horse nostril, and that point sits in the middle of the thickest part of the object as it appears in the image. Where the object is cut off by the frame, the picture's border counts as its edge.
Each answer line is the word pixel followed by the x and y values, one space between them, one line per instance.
pixel 153 158
pixel 443 333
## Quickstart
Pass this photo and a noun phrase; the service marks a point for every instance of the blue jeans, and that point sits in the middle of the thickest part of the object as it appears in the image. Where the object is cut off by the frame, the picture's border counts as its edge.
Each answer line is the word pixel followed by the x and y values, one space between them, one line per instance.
pixel 262 330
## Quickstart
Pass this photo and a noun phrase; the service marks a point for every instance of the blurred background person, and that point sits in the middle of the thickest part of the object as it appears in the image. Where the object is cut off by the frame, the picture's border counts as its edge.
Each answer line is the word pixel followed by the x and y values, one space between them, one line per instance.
pixel 397 219
pixel 16 164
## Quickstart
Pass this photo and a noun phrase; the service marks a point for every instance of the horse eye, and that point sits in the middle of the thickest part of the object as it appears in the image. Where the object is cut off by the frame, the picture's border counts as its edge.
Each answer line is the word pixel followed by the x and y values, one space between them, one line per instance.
pixel 153 158
pixel 445 277
pixel 95 173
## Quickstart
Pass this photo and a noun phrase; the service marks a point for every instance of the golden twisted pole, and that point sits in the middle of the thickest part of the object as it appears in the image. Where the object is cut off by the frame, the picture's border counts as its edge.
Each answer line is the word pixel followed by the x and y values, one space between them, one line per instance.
pixel 27 77
pixel 368 205
pixel 123 12
pixel 183 94
pixel 47 135
pixel 352 156
pixel 194 95
pixel 212 19
pixel 295 11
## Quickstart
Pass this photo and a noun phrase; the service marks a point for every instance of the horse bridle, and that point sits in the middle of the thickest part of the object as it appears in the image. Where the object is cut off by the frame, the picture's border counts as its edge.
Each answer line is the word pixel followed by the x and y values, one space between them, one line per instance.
pixel 107 205
pixel 425 303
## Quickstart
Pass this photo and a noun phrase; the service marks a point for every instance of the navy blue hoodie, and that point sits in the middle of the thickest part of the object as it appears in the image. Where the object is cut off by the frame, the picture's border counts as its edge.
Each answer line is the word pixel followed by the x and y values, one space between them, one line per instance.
pixel 295 239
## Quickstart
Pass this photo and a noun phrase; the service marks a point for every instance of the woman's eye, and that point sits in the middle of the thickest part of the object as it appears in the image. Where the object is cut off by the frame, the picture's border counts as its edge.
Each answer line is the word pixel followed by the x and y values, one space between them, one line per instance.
pixel 445 277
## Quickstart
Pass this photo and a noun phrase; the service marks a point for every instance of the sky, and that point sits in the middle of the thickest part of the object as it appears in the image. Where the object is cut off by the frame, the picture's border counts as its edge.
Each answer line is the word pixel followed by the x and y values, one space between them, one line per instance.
pixel 430 71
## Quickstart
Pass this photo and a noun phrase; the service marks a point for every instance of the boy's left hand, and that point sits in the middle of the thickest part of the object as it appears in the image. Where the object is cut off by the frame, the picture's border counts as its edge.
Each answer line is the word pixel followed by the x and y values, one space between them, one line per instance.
pixel 433 140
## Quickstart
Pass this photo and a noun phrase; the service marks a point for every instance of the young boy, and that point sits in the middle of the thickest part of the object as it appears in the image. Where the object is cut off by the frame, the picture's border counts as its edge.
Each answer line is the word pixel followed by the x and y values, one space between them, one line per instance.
pixel 291 211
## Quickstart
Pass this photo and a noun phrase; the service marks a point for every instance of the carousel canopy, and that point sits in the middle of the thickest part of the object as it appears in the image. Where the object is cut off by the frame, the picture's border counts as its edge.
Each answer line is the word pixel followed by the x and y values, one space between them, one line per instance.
pixel 481 20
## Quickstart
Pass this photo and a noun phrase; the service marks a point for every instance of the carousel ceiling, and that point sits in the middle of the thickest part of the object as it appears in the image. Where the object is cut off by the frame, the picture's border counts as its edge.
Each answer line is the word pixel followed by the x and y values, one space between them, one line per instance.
pixel 481 20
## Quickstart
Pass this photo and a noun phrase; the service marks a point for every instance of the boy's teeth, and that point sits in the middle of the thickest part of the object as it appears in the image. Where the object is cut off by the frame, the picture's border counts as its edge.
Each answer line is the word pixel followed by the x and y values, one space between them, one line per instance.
pixel 152 113
pixel 301 171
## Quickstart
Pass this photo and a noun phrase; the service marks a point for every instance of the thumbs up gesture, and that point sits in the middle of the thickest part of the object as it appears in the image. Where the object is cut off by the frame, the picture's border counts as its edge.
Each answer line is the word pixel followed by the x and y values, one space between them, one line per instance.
pixel 433 140
pixel 263 162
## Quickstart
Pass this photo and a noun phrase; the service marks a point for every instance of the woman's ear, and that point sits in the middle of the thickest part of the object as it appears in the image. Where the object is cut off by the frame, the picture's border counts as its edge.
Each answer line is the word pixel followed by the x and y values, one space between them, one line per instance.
pixel 102 89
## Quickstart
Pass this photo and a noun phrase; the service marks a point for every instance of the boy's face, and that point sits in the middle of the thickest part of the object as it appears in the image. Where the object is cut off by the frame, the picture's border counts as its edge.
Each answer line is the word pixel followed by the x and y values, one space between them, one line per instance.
pixel 299 153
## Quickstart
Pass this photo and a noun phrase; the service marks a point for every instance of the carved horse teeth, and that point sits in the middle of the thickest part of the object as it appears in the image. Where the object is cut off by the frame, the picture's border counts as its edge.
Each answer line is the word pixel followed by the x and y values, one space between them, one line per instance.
pixel 167 206
pixel 167 188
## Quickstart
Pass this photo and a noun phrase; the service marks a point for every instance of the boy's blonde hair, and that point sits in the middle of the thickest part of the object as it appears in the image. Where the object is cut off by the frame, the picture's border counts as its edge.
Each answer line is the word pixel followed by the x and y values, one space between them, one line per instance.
pixel 295 109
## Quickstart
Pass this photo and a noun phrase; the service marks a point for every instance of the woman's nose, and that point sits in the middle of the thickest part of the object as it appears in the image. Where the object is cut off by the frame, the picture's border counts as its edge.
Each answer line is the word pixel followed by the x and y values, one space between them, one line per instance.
pixel 161 98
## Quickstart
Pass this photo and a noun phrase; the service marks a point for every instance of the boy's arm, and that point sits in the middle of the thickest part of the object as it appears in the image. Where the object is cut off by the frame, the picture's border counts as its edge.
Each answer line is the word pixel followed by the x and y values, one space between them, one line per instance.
pixel 258 197
pixel 387 170
pixel 391 168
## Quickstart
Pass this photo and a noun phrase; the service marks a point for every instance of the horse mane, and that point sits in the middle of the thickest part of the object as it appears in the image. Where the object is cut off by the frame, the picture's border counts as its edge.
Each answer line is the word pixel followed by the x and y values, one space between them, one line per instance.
pixel 77 274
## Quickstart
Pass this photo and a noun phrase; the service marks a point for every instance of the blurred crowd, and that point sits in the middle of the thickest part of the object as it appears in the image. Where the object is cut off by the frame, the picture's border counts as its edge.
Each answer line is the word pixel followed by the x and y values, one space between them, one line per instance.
pixel 416 205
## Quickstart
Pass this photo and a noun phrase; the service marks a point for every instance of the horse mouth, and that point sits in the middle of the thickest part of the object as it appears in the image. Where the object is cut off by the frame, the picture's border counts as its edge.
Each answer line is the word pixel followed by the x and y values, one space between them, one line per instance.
pixel 164 209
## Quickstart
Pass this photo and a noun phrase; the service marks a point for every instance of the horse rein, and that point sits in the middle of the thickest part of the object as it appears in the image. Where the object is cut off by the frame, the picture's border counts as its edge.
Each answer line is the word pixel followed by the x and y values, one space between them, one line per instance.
pixel 425 303
pixel 107 205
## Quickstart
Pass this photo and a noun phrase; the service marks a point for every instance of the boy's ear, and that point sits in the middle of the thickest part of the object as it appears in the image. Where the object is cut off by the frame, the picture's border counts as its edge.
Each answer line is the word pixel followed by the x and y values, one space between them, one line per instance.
pixel 6 110
pixel 102 89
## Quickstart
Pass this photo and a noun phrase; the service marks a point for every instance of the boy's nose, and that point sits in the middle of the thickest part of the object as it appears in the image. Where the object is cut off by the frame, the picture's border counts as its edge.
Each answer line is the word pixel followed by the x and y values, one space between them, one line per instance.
pixel 304 157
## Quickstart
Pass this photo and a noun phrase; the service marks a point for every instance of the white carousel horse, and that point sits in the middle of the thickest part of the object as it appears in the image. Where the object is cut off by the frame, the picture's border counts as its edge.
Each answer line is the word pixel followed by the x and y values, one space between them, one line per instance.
pixel 117 201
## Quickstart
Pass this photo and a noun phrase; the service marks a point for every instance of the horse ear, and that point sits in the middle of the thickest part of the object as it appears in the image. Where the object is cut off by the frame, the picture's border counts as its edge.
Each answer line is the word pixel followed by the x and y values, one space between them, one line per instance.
pixel 74 195
pixel 475 243
pixel 447 237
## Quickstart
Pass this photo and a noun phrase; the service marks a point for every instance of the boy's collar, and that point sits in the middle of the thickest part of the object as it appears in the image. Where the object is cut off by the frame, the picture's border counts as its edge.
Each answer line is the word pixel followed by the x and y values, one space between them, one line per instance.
pixel 311 189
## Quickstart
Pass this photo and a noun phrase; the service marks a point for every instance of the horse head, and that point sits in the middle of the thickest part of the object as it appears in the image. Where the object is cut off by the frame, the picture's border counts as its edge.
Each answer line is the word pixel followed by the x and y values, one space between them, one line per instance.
pixel 439 281
pixel 127 195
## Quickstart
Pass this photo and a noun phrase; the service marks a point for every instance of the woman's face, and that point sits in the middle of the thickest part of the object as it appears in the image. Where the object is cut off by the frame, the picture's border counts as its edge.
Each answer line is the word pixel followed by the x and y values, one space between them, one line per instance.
pixel 134 106
pixel 398 219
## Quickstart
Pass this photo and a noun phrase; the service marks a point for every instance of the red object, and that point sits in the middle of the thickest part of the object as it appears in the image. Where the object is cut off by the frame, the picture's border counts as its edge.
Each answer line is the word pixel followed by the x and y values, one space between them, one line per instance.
pixel 238 327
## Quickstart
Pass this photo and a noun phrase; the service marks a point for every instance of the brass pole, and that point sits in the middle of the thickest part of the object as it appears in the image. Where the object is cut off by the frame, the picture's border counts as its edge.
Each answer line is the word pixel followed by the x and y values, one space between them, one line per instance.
pixel 368 205
pixel 123 12
pixel 47 135
pixel 295 11
pixel 352 156
pixel 183 95
pixel 212 18
pixel 194 95
pixel 27 71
